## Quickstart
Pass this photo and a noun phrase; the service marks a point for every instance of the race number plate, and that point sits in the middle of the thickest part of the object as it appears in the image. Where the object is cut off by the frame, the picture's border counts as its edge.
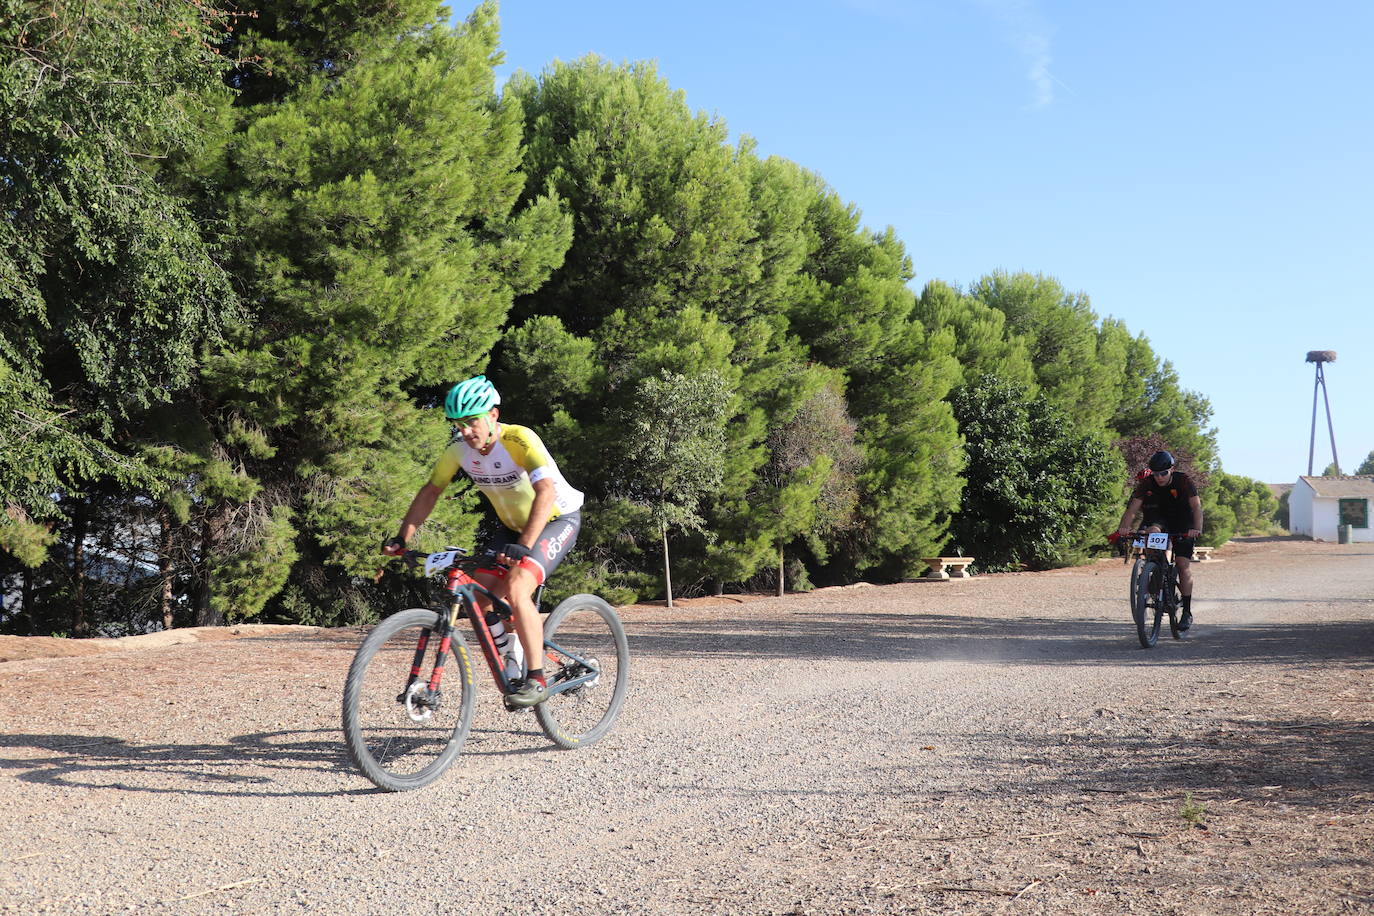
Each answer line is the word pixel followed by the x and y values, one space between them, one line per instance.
pixel 438 561
pixel 1157 540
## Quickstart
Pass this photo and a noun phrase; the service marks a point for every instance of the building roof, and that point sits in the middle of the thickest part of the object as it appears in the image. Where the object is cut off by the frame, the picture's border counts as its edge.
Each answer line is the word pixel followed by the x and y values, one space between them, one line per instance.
pixel 1340 487
pixel 1278 489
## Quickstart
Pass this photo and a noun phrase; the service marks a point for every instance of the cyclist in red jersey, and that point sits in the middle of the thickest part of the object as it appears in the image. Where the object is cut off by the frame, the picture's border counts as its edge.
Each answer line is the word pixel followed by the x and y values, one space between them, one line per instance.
pixel 1170 503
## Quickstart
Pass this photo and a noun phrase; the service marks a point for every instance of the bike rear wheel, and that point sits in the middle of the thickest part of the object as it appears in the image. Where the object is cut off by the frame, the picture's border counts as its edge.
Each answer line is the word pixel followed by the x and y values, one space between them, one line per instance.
pixel 583 639
pixel 1145 603
pixel 397 733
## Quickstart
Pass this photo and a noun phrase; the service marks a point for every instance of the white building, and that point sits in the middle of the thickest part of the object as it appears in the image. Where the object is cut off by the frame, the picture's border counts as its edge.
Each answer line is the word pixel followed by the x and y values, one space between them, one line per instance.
pixel 1317 505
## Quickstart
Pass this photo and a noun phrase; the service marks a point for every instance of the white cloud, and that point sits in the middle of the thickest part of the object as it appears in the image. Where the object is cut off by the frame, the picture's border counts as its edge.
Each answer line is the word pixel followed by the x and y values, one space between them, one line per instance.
pixel 1026 29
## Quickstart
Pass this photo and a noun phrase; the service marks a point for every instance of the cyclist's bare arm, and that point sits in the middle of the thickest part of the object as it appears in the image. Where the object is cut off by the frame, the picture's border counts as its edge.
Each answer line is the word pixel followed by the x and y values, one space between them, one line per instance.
pixel 545 492
pixel 1195 504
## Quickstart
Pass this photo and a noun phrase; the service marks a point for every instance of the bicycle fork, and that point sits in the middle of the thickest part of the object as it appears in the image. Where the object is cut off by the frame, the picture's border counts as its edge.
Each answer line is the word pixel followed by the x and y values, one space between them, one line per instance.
pixel 419 697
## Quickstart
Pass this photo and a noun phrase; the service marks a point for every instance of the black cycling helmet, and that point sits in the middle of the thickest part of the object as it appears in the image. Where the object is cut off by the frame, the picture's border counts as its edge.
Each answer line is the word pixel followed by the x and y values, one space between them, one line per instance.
pixel 1161 461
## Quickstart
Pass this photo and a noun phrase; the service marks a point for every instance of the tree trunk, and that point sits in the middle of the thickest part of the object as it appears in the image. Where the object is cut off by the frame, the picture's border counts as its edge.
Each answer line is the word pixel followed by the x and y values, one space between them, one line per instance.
pixel 80 625
pixel 781 567
pixel 206 616
pixel 164 566
pixel 667 572
pixel 27 600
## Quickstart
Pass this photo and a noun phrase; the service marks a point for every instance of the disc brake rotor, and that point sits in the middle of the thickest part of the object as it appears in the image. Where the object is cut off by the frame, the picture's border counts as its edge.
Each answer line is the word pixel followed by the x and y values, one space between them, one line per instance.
pixel 418 704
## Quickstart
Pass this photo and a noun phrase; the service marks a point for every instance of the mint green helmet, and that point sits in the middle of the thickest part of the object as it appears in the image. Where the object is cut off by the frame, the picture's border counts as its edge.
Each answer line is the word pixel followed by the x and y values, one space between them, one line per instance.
pixel 470 398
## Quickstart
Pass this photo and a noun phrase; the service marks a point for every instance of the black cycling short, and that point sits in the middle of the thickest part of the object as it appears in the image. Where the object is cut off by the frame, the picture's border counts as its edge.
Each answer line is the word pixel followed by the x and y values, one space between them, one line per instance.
pixel 557 538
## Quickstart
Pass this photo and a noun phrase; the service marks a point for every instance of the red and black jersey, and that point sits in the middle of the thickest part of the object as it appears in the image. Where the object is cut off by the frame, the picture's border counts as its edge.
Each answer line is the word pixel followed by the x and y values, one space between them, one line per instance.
pixel 1167 502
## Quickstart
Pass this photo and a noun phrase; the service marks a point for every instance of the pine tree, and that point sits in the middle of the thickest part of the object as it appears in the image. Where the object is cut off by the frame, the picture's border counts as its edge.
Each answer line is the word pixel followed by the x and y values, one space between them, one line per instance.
pixel 371 184
pixel 684 257
pixel 1076 368
pixel 109 286
pixel 858 316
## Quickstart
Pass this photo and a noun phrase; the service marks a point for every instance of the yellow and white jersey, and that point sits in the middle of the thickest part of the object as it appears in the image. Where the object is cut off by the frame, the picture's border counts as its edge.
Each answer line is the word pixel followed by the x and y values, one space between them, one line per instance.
pixel 506 475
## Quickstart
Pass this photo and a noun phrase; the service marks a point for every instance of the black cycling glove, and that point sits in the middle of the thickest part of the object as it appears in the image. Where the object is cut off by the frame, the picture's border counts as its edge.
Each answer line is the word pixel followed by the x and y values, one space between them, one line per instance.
pixel 392 541
pixel 516 552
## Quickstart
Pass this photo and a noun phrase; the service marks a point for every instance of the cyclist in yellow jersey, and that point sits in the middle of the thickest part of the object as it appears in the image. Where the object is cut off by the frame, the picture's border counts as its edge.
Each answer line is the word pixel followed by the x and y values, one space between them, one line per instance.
pixel 510 466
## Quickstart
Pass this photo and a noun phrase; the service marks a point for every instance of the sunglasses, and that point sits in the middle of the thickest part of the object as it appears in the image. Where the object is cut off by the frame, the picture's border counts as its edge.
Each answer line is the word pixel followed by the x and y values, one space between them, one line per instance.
pixel 464 422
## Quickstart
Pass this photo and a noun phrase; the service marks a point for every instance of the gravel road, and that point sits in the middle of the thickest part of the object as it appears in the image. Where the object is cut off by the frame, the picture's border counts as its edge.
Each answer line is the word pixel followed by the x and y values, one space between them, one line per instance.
pixel 996 745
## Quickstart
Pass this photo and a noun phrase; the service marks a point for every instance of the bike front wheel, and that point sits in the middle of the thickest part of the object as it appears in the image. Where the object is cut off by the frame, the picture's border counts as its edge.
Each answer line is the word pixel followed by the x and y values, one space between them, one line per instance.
pixel 1137 609
pixel 1172 602
pixel 399 733
pixel 585 647
pixel 1145 604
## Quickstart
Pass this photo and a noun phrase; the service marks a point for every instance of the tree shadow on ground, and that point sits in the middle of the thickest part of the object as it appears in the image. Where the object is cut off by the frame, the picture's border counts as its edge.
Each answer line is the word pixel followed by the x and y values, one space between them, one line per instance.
pixel 1322 765
pixel 242 766
pixel 245 766
pixel 1015 641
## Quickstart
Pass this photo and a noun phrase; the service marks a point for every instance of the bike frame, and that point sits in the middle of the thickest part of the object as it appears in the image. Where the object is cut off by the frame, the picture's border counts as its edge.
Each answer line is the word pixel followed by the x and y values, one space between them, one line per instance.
pixel 466 591
pixel 1164 557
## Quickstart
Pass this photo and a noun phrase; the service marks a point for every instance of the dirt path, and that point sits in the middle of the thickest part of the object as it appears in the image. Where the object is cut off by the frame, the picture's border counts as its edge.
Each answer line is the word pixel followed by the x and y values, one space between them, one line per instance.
pixel 992 746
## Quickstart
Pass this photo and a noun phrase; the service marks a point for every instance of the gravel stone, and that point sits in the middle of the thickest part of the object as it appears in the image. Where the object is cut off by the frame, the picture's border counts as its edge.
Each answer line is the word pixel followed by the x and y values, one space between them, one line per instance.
pixel 994 745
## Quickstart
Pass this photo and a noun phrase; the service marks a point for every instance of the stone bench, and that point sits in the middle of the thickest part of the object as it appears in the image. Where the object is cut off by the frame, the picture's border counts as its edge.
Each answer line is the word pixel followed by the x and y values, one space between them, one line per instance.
pixel 958 567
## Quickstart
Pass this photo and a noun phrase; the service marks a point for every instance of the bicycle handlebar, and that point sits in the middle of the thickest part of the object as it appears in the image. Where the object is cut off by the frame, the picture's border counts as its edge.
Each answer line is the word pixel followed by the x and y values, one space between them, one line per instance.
pixel 430 562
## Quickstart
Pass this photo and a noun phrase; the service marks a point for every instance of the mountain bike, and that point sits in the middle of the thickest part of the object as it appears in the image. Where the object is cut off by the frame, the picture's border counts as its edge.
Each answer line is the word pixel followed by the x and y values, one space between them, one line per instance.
pixel 1154 586
pixel 405 718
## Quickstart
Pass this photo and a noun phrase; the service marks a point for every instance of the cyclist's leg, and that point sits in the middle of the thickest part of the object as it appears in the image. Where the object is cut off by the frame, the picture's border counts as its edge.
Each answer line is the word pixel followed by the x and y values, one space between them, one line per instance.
pixel 1183 558
pixel 1153 526
pixel 1185 575
pixel 520 584
pixel 516 587
pixel 552 545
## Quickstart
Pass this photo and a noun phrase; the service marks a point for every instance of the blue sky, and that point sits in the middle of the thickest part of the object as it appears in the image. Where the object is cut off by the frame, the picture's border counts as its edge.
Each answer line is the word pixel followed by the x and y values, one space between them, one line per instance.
pixel 1204 171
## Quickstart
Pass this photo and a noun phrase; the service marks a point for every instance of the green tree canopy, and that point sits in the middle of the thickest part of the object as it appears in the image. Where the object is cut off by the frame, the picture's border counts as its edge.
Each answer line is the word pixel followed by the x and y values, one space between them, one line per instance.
pixel 242 265
pixel 809 490
pixel 107 287
pixel 1250 503
pixel 678 427
pixel 1039 494
pixel 371 181
pixel 1076 367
